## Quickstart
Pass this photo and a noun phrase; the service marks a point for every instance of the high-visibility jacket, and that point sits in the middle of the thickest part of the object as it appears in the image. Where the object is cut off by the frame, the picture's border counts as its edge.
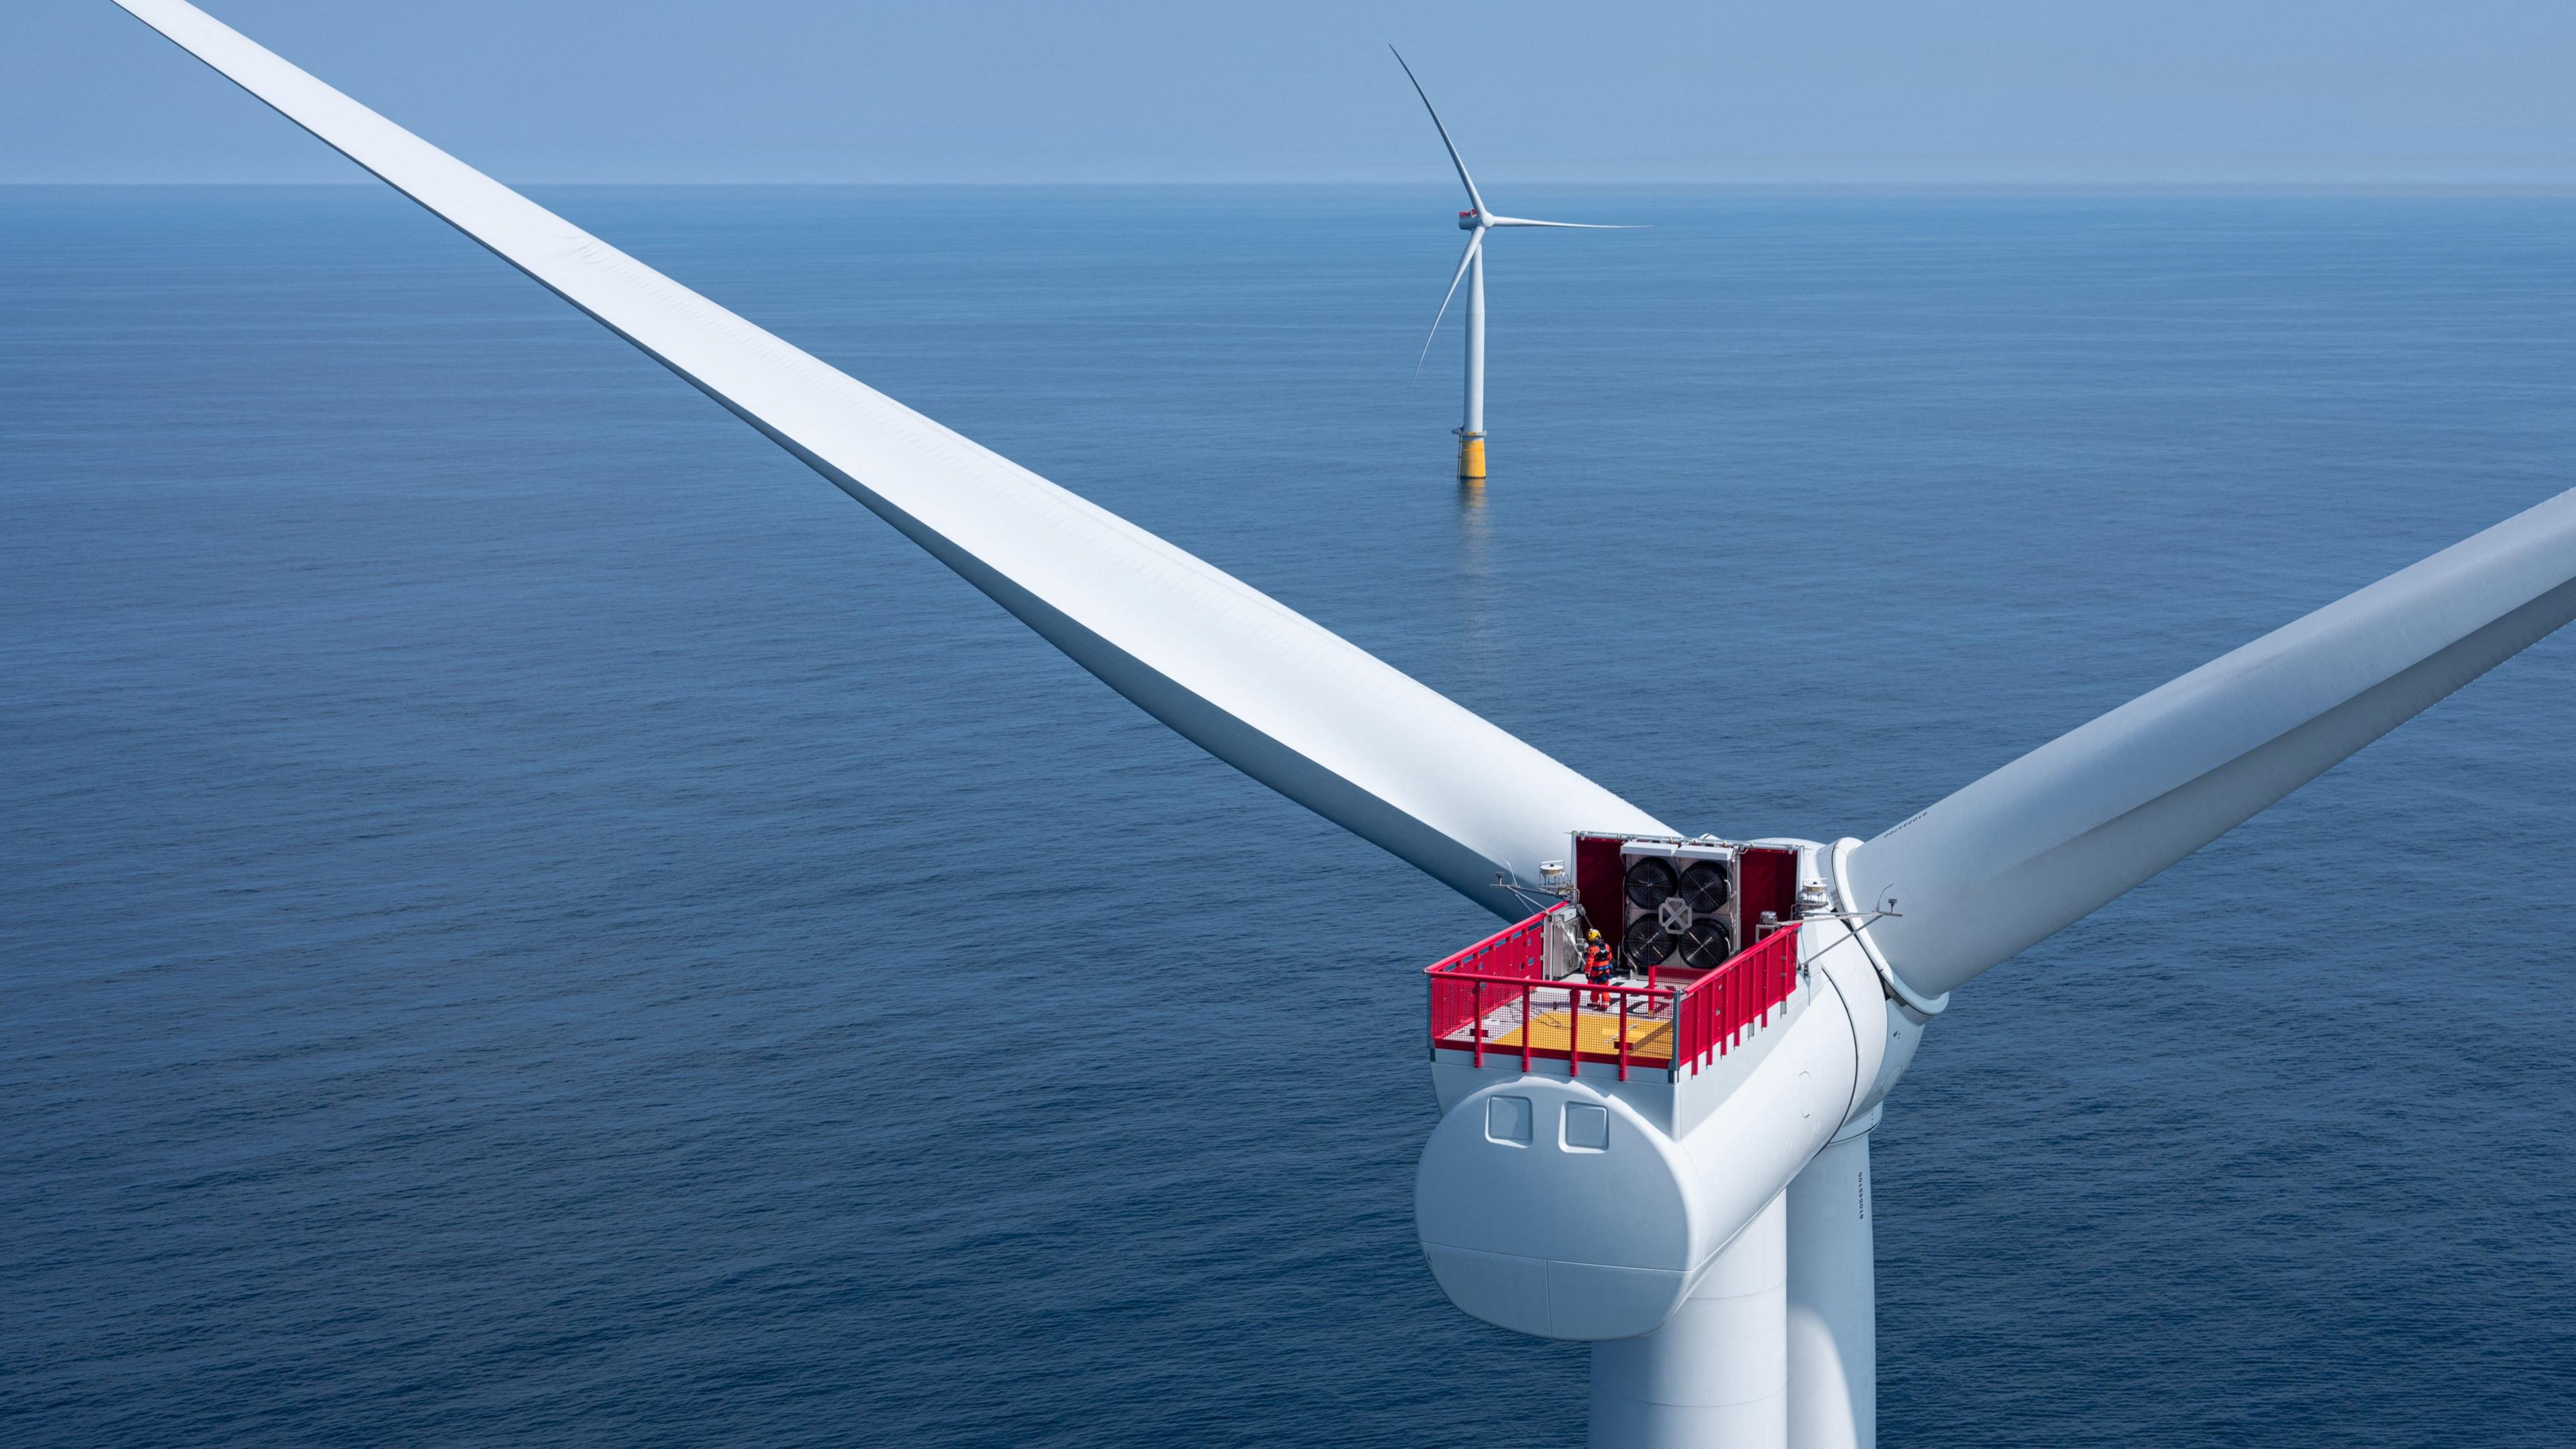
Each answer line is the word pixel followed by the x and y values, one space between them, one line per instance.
pixel 1596 962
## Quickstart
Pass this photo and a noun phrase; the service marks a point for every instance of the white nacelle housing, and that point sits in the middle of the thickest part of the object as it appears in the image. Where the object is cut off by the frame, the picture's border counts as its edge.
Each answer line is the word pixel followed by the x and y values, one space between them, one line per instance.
pixel 1583 1207
pixel 1551 1208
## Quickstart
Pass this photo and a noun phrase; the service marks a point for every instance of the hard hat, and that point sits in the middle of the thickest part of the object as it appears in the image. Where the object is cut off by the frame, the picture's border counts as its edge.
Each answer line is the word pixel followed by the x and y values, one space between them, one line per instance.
pixel 1595 935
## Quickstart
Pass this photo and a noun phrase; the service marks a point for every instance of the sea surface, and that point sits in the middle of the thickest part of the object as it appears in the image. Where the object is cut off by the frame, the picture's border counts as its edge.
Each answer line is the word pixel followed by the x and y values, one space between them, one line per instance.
pixel 528 918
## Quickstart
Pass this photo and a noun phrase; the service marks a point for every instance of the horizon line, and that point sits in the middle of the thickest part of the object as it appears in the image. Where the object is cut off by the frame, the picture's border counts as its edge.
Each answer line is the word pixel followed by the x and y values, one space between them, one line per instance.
pixel 2000 186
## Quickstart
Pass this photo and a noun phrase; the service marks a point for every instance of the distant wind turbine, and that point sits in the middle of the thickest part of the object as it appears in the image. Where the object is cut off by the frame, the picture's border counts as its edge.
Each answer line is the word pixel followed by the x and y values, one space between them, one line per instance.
pixel 1475 221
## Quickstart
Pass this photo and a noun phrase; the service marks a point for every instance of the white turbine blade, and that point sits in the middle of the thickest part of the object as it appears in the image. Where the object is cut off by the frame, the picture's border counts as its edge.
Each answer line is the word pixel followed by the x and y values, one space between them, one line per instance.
pixel 1465 261
pixel 1455 159
pixel 1568 225
pixel 2048 838
pixel 1248 679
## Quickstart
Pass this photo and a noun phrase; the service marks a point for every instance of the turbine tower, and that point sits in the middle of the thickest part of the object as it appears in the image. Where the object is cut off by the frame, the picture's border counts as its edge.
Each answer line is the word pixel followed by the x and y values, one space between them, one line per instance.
pixel 1475 221
pixel 1665 1156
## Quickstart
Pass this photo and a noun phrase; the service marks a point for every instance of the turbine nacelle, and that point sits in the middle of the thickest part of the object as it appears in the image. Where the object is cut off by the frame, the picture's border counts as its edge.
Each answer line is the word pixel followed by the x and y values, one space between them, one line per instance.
pixel 1601 1146
pixel 1684 1181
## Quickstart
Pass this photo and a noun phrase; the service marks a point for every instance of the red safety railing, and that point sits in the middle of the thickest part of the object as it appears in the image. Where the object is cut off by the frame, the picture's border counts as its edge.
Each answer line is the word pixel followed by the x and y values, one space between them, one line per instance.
pixel 1495 997
pixel 1716 1009
pixel 1511 955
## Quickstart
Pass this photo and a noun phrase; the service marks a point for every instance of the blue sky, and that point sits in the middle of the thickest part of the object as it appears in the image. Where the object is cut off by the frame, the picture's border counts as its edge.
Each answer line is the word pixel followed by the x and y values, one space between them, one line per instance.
pixel 2361 93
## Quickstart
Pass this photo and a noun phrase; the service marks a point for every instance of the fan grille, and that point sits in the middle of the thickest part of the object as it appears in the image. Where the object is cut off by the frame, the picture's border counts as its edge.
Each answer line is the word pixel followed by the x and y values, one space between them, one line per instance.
pixel 1650 883
pixel 1704 888
pixel 1706 946
pixel 1648 944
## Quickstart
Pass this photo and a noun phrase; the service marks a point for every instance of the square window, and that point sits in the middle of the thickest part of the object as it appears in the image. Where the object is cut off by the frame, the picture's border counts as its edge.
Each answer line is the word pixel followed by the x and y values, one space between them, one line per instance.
pixel 1587 1128
pixel 1507 1119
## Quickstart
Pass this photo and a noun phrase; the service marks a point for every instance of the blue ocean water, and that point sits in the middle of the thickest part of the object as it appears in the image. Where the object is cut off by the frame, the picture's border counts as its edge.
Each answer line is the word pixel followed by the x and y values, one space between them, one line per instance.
pixel 527 917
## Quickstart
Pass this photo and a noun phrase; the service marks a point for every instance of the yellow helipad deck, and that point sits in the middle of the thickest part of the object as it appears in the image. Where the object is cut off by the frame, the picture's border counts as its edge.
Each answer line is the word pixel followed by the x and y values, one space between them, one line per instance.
pixel 1647 1040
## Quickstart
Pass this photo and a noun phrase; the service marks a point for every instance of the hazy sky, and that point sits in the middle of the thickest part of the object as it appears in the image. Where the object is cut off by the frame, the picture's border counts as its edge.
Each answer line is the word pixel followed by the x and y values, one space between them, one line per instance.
pixel 2359 92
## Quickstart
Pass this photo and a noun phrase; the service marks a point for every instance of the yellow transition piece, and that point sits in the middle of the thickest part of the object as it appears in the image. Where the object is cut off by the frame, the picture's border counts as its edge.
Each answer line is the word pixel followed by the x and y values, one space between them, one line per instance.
pixel 1471 458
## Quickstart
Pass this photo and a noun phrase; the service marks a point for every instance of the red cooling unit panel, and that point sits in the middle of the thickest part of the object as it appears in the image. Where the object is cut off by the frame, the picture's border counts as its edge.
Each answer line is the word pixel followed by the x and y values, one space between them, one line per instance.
pixel 1597 884
pixel 1768 882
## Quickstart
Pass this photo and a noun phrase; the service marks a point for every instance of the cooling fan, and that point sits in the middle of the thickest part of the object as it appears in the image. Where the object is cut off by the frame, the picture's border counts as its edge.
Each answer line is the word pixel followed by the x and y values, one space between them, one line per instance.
pixel 1677 914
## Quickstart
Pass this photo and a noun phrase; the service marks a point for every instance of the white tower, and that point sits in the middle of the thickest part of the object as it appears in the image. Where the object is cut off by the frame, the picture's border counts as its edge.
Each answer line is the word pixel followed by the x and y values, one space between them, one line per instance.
pixel 1471 433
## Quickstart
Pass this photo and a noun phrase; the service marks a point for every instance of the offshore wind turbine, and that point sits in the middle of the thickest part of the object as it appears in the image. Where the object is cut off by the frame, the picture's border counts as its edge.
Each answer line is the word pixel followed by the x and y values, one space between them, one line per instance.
pixel 1476 220
pixel 1686 1191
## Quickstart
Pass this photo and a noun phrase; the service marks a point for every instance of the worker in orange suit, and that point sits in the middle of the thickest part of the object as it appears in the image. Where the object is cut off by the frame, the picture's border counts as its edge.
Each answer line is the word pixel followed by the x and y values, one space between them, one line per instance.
pixel 1596 959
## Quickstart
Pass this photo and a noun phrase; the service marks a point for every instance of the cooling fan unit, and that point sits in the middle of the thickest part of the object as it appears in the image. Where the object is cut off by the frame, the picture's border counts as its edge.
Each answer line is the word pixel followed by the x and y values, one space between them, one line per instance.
pixel 1677 913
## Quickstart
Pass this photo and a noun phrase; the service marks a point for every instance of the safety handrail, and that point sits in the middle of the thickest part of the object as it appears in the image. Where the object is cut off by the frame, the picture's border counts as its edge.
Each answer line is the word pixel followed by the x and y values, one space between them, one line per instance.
pixel 1741 993
pixel 1708 1017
